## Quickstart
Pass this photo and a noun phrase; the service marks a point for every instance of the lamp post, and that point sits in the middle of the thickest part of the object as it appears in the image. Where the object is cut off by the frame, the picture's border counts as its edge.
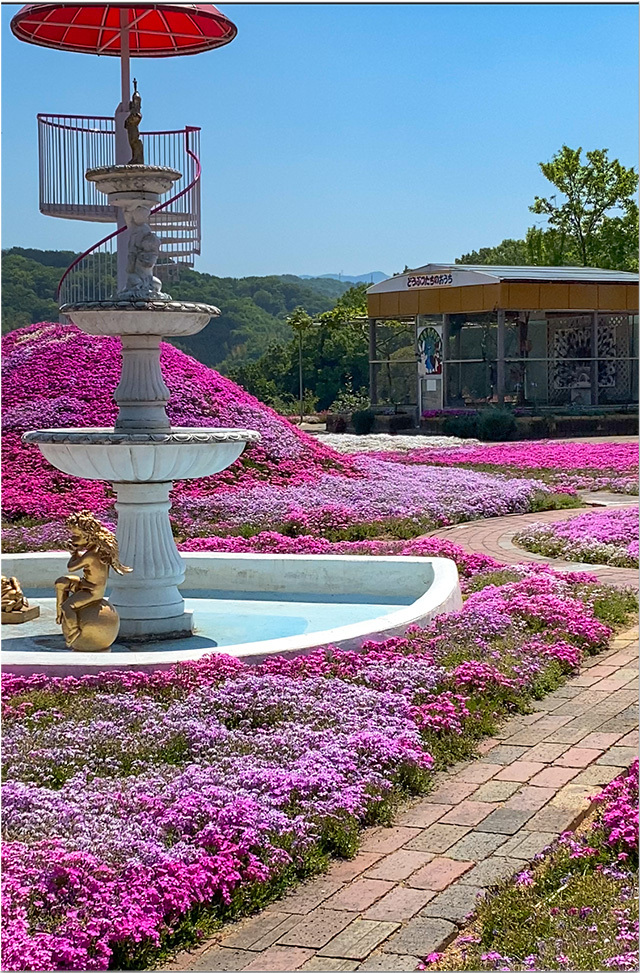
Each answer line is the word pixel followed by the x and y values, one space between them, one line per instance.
pixel 300 321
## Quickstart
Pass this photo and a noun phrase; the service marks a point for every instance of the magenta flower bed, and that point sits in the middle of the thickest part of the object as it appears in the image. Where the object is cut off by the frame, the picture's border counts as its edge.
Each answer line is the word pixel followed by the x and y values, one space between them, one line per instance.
pixel 598 537
pixel 572 465
pixel 131 800
pixel 54 375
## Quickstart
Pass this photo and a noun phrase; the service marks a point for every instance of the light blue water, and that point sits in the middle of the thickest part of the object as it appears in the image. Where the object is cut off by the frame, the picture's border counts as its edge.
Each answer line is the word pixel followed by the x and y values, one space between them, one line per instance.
pixel 231 618
pixel 222 618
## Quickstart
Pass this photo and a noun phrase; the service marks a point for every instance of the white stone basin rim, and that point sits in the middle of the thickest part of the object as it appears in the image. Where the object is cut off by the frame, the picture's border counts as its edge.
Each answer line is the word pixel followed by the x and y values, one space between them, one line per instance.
pixel 163 318
pixel 433 582
pixel 103 454
pixel 133 178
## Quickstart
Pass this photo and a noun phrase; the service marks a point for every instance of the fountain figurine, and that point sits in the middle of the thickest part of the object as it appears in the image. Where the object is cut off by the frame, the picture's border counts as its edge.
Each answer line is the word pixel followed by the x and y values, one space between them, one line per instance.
pixel 132 125
pixel 15 607
pixel 89 623
pixel 143 251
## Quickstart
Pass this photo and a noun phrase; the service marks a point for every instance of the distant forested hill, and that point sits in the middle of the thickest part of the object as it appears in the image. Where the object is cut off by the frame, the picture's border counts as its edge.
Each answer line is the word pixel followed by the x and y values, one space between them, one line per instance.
pixel 253 309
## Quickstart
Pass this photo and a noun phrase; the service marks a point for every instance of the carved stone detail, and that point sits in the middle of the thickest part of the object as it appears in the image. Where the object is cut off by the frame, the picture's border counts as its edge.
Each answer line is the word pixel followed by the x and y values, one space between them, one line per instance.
pixel 142 305
pixel 106 437
pixel 141 394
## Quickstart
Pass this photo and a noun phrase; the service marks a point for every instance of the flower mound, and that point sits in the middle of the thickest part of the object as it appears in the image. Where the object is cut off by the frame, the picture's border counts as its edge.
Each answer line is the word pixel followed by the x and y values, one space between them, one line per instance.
pixel 134 803
pixel 601 537
pixel 56 376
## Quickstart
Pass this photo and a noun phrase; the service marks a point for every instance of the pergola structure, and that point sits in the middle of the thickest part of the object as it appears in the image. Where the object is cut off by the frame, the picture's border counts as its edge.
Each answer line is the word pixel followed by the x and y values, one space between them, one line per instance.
pixel 542 336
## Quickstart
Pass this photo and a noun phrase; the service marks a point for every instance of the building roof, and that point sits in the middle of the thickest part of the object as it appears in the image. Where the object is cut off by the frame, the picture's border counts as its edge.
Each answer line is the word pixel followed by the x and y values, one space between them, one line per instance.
pixel 475 288
pixel 587 275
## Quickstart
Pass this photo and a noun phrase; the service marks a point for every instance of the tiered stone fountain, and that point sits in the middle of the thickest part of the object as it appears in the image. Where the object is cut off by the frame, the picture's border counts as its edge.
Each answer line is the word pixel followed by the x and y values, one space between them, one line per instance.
pixel 143 455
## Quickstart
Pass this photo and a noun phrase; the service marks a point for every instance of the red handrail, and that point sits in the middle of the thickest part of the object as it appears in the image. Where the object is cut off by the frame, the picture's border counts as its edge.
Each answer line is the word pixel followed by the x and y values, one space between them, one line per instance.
pixel 111 236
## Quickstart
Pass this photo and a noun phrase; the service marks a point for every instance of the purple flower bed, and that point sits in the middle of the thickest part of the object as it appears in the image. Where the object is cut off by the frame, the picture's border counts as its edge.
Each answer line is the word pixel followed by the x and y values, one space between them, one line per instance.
pixel 135 805
pixel 598 537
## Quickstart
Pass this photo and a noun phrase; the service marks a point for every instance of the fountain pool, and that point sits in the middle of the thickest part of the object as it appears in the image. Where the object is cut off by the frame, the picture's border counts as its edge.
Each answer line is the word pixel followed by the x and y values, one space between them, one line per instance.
pixel 247 605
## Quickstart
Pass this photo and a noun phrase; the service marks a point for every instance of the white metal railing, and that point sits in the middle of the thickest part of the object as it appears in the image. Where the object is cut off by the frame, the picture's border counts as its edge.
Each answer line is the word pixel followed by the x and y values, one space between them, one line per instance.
pixel 71 144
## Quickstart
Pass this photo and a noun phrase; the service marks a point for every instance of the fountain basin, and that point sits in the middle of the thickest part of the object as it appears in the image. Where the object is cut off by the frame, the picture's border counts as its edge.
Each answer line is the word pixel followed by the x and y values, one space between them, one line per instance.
pixel 349 599
pixel 140 317
pixel 140 180
pixel 103 454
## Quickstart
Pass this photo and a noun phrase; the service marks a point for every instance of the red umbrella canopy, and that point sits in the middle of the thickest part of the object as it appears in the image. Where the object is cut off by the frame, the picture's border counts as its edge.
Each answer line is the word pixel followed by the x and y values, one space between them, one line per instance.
pixel 155 29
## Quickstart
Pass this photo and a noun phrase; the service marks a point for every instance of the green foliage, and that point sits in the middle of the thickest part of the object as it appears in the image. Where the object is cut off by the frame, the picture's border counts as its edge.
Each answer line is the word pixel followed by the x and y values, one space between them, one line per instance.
pixel 613 606
pixel 599 193
pixel 554 501
pixel 496 425
pixel 347 400
pixel 508 253
pixel 28 289
pixel 466 427
pixel 333 354
pixel 363 421
pixel 593 223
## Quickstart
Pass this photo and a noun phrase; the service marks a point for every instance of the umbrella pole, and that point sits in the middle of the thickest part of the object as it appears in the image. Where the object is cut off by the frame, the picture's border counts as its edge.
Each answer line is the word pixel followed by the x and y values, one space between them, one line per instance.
pixel 123 151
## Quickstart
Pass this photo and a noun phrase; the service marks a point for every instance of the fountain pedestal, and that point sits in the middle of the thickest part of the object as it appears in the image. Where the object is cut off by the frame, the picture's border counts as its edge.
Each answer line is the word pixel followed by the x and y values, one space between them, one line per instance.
pixel 143 455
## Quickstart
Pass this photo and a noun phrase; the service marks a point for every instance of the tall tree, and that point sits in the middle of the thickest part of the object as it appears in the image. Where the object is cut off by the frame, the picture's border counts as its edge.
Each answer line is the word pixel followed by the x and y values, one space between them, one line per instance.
pixel 594 194
pixel 593 222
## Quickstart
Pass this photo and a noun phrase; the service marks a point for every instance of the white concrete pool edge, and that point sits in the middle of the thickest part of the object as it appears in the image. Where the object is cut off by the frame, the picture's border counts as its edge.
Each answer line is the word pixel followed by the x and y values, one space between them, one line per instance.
pixel 432 581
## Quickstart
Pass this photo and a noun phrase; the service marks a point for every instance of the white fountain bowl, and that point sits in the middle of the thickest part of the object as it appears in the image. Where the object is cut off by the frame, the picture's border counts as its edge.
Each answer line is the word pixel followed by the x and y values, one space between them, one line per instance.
pixel 429 587
pixel 133 178
pixel 137 317
pixel 103 454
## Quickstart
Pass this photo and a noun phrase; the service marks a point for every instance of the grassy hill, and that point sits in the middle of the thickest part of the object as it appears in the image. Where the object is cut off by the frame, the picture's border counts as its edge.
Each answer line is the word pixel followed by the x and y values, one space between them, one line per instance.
pixel 254 309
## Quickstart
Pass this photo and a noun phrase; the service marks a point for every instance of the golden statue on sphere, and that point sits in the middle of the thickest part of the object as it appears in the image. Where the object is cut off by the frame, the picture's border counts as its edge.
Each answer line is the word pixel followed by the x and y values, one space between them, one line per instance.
pixel 15 607
pixel 132 125
pixel 89 623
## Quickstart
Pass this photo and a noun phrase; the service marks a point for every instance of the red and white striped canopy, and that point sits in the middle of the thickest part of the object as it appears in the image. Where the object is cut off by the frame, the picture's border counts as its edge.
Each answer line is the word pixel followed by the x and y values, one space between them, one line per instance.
pixel 155 29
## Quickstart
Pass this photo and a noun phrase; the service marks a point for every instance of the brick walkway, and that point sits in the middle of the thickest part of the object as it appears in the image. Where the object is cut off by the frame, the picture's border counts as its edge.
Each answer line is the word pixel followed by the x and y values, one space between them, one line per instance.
pixel 409 888
pixel 494 537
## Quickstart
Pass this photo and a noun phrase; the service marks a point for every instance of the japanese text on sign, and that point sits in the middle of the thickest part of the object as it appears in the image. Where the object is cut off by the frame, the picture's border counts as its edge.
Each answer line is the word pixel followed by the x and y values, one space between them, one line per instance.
pixel 431 280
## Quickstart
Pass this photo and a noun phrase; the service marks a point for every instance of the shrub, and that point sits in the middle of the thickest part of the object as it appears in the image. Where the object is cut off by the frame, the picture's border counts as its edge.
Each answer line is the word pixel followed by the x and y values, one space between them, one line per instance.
pixel 363 421
pixel 497 425
pixel 400 421
pixel 466 426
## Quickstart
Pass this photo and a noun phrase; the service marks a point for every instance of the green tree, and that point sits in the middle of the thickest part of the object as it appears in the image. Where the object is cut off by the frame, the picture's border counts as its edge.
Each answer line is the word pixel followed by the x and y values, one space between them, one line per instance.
pixel 597 196
pixel 593 222
pixel 509 253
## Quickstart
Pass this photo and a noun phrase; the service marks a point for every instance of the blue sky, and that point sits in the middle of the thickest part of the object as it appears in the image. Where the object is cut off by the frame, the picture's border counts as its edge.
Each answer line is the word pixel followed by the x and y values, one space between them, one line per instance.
pixel 349 137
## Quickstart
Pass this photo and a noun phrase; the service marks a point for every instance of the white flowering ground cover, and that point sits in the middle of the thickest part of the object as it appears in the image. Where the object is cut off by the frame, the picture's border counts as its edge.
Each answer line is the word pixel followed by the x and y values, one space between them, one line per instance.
pixel 384 442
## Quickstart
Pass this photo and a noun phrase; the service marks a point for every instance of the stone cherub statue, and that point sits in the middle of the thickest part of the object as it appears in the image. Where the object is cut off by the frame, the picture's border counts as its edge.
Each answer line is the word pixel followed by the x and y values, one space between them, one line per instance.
pixel 144 247
pixel 132 125
pixel 15 607
pixel 89 623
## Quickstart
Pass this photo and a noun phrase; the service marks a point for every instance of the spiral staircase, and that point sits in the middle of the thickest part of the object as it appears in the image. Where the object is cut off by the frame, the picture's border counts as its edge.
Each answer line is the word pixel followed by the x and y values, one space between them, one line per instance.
pixel 71 144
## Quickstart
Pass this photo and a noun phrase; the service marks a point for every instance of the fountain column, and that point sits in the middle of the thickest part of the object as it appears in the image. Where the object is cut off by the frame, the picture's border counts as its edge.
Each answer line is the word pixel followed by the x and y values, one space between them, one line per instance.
pixel 149 603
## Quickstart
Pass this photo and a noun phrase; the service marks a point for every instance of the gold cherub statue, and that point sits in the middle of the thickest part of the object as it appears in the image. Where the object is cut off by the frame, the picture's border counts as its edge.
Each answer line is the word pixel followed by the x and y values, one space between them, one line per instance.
pixel 15 607
pixel 89 623
pixel 132 124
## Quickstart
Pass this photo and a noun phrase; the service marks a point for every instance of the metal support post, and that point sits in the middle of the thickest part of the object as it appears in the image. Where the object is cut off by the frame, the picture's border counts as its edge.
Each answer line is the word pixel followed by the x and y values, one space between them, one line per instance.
pixel 373 377
pixel 594 358
pixel 301 384
pixel 123 151
pixel 500 371
pixel 445 357
pixel 418 376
